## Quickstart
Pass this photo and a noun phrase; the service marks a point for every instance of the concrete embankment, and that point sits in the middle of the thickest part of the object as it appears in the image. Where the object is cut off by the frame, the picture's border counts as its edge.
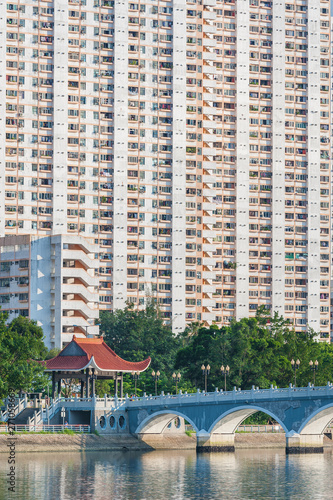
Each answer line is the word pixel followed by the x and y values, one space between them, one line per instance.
pixel 64 442
pixel 85 442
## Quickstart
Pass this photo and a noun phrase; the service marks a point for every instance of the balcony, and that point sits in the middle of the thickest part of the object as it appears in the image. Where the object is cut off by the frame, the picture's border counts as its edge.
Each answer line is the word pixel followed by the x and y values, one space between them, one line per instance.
pixel 208 193
pixel 210 3
pixel 79 306
pixel 72 272
pixel 207 14
pixel 208 206
pixel 211 219
pixel 207 69
pixel 208 289
pixel 209 56
pixel 208 247
pixel 209 42
pixel 207 28
pixel 80 290
pixel 80 256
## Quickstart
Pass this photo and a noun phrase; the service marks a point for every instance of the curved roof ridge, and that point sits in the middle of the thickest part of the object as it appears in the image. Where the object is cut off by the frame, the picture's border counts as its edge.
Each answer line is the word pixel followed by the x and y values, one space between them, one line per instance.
pixel 97 353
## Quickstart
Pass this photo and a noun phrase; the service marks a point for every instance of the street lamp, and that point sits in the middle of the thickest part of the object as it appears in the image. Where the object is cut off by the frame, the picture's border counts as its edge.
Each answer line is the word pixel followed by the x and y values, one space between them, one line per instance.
pixel 314 368
pixel 295 366
pixel 205 373
pixel 176 379
pixel 85 328
pixel 155 376
pixel 135 376
pixel 226 372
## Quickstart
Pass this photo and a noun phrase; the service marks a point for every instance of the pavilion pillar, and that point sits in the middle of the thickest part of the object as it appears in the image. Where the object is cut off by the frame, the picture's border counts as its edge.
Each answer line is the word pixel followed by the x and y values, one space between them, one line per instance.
pixel 53 386
pixel 121 385
pixel 93 383
pixel 116 385
pixel 59 388
pixel 87 383
pixel 82 388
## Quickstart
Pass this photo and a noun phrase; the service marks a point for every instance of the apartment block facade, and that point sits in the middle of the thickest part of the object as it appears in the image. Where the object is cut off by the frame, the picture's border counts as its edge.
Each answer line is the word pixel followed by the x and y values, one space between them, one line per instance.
pixel 189 141
pixel 52 280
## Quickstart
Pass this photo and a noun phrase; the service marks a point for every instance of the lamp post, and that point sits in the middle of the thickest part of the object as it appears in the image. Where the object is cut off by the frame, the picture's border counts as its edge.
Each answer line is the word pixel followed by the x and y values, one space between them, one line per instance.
pixel 155 376
pixel 226 372
pixel 205 373
pixel 85 328
pixel 176 379
pixel 135 376
pixel 48 405
pixel 314 368
pixel 295 366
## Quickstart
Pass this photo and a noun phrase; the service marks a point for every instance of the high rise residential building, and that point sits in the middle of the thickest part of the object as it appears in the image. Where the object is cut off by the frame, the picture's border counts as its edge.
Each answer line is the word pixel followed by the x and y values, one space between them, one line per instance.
pixel 189 141
pixel 52 280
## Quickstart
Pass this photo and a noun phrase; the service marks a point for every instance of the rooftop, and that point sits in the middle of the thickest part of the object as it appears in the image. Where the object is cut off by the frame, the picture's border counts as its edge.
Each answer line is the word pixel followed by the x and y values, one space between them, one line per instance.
pixel 83 353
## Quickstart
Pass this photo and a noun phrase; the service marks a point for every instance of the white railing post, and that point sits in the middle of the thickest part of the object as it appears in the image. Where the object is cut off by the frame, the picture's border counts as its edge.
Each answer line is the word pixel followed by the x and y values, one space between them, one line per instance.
pixel 198 396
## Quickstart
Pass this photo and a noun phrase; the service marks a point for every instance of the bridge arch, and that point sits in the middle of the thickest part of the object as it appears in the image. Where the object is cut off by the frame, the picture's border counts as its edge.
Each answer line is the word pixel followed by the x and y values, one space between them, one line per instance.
pixel 228 421
pixel 317 421
pixel 158 421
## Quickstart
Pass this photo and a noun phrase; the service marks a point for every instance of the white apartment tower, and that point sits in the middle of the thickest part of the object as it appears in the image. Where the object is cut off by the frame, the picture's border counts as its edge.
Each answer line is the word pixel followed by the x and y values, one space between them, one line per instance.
pixel 188 140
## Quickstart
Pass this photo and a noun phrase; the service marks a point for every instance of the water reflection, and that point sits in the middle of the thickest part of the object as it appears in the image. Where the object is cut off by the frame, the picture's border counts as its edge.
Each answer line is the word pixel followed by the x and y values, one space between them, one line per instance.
pixel 176 475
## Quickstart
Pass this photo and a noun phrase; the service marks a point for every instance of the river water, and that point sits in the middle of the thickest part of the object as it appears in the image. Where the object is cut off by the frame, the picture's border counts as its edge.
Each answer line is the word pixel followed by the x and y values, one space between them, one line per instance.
pixel 177 475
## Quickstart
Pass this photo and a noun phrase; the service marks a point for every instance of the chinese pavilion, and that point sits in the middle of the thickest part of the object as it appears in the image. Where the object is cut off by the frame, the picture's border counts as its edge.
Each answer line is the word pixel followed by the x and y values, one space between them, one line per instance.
pixel 88 360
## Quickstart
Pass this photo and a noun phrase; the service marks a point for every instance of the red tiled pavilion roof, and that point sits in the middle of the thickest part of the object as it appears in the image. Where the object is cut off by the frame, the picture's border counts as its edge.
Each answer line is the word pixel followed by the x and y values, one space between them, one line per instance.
pixel 82 353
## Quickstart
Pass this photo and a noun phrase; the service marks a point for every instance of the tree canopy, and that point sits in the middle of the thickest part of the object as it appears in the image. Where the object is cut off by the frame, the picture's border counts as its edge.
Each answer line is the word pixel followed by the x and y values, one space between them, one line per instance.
pixel 258 351
pixel 136 334
pixel 21 344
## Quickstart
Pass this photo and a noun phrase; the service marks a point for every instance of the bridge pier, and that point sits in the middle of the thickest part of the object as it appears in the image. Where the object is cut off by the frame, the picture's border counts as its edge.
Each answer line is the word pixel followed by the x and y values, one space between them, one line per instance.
pixel 207 442
pixel 304 443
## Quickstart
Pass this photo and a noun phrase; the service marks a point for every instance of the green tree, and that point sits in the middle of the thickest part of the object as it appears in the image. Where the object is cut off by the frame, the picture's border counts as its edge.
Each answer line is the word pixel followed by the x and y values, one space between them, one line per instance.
pixel 21 344
pixel 104 387
pixel 136 334
pixel 204 347
pixel 52 353
pixel 258 351
pixel 254 350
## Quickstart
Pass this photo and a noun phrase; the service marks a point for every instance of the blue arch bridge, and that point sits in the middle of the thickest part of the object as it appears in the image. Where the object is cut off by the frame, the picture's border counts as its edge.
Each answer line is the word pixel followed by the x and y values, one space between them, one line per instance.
pixel 302 412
